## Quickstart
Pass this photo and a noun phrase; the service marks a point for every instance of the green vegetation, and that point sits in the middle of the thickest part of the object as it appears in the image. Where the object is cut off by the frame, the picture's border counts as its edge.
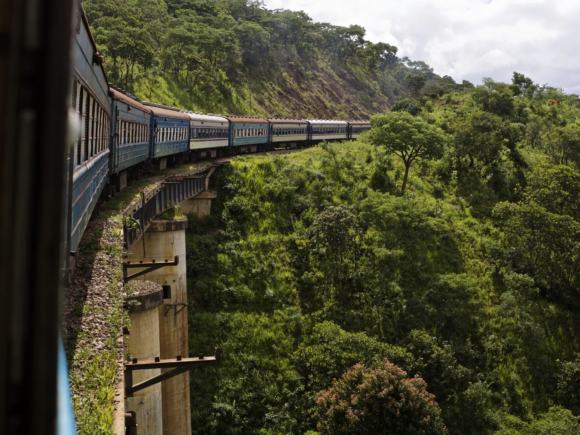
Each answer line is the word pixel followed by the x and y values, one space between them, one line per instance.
pixel 93 327
pixel 314 262
pixel 235 56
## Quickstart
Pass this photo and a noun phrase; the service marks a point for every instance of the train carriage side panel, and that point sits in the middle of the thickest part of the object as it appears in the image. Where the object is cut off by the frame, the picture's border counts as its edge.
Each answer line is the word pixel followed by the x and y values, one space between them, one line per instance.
pixel 356 128
pixel 208 134
pixel 130 141
pixel 288 130
pixel 170 132
pixel 248 132
pixel 328 130
pixel 89 97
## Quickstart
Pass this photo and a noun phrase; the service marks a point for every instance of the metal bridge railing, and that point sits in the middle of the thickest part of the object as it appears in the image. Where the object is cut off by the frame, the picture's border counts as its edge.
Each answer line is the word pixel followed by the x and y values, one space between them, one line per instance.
pixel 158 200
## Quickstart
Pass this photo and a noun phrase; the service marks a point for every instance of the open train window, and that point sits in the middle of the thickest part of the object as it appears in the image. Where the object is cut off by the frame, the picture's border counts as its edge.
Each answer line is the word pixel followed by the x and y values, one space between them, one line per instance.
pixel 166 292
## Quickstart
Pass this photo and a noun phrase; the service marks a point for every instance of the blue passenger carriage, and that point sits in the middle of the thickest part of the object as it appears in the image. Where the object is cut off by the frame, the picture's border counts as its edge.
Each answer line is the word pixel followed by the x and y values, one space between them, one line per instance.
pixel 290 133
pixel 170 135
pixel 356 128
pixel 90 99
pixel 208 135
pixel 130 141
pixel 248 134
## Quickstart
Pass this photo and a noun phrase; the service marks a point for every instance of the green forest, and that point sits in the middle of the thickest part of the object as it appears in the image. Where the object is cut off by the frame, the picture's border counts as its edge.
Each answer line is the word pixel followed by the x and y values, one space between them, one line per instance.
pixel 235 56
pixel 323 262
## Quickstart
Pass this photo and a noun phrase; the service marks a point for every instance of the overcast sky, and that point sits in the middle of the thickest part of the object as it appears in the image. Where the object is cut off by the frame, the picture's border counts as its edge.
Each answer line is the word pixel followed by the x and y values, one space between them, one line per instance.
pixel 468 39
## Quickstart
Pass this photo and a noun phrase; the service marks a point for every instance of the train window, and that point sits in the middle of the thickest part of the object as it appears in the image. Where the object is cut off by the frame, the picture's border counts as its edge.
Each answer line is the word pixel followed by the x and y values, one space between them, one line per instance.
pixel 102 129
pixel 97 128
pixel 86 124
pixel 79 107
pixel 94 128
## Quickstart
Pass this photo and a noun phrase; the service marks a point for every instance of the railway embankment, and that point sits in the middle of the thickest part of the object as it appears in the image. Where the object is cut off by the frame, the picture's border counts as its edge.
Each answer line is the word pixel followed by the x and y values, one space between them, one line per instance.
pixel 95 312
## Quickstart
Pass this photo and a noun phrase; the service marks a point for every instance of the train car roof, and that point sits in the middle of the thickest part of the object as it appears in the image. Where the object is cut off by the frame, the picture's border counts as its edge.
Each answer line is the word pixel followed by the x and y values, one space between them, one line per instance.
pixel 327 122
pixel 246 119
pixel 287 121
pixel 202 117
pixel 166 111
pixel 359 122
pixel 120 96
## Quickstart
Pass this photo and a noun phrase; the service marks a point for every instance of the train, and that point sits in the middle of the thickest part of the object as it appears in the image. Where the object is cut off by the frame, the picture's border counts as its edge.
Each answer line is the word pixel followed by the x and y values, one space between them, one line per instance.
pixel 121 138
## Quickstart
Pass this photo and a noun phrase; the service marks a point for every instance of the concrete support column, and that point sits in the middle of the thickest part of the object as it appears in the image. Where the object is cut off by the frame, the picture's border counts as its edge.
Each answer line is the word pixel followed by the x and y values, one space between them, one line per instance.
pixel 144 301
pixel 199 204
pixel 163 241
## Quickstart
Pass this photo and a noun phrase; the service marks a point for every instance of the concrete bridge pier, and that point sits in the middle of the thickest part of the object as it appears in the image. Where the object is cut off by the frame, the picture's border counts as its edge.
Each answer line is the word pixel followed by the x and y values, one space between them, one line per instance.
pixel 164 240
pixel 199 204
pixel 144 301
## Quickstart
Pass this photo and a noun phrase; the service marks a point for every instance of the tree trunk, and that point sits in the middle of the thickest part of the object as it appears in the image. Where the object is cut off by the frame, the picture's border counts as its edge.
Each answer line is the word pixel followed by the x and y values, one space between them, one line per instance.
pixel 407 167
pixel 126 74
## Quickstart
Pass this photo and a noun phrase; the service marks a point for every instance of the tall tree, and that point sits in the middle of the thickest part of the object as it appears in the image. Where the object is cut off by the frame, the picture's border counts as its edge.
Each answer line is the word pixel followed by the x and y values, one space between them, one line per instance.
pixel 408 137
pixel 416 82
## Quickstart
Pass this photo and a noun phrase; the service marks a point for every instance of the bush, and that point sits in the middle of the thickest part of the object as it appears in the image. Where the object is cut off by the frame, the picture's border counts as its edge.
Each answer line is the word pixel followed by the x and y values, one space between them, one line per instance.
pixel 378 400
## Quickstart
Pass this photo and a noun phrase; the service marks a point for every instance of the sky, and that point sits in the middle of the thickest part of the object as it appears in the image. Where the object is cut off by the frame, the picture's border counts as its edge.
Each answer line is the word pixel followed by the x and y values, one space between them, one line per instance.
pixel 468 39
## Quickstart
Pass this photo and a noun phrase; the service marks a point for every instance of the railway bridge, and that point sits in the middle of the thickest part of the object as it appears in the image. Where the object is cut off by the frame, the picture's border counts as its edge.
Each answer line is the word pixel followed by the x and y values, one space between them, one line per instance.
pixel 157 361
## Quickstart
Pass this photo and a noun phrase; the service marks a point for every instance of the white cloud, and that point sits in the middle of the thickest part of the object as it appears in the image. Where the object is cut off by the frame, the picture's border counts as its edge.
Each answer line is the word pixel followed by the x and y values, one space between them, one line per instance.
pixel 468 39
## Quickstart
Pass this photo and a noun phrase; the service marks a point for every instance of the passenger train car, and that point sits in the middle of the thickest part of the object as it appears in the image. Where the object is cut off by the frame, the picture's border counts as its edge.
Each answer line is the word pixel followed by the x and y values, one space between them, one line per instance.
pixel 170 135
pixel 131 140
pixel 208 135
pixel 248 134
pixel 356 128
pixel 328 130
pixel 90 156
pixel 290 132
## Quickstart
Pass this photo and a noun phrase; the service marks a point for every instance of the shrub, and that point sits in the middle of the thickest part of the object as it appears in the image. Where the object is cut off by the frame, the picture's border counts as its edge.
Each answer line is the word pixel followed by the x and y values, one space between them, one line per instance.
pixel 378 400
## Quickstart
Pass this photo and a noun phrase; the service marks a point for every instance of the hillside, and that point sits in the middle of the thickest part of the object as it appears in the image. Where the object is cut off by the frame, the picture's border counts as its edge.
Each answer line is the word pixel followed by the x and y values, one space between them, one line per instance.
pixel 235 56
pixel 313 262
